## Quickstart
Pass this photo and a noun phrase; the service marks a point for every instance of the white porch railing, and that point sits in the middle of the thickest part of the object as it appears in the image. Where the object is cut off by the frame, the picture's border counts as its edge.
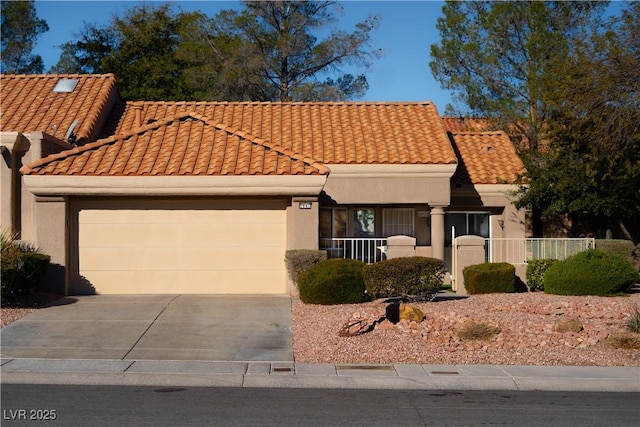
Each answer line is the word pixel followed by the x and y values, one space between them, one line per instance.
pixel 520 251
pixel 367 250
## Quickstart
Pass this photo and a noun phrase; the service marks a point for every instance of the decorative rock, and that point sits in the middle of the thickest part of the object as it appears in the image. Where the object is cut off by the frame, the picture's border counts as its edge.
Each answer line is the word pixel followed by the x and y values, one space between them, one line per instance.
pixel 358 327
pixel 570 324
pixel 385 325
pixel 409 312
pixel 393 312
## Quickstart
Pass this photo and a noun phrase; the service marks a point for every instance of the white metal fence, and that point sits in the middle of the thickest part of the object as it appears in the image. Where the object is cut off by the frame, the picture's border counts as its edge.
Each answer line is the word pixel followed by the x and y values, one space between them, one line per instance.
pixel 367 250
pixel 520 251
pixel 514 251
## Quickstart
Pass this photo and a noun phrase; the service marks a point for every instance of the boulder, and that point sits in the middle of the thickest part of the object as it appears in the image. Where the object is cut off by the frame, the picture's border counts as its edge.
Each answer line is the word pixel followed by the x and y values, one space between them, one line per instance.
pixel 570 324
pixel 396 312
pixel 411 313
pixel 392 312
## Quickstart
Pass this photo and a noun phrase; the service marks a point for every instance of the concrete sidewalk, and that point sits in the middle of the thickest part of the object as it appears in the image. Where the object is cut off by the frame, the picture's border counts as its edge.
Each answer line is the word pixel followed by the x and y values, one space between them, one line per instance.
pixel 302 375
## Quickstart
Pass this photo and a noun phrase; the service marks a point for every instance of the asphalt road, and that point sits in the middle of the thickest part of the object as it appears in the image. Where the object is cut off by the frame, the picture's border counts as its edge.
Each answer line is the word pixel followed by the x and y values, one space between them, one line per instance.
pixel 25 404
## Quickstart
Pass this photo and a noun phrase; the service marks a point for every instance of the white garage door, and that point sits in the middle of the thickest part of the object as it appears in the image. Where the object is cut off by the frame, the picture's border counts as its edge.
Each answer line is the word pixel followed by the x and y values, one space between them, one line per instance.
pixel 235 248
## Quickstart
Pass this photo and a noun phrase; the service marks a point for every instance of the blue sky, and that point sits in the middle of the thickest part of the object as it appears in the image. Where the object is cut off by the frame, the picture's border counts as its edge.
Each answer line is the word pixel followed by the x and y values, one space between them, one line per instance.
pixel 406 32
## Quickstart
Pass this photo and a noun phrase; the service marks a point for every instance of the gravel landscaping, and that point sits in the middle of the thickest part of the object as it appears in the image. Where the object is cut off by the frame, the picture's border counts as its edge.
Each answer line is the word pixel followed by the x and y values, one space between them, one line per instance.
pixel 527 324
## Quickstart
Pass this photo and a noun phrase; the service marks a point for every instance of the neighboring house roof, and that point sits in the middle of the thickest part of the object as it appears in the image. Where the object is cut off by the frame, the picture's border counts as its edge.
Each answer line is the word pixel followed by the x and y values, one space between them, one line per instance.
pixel 29 103
pixel 330 132
pixel 486 158
pixel 185 145
pixel 466 124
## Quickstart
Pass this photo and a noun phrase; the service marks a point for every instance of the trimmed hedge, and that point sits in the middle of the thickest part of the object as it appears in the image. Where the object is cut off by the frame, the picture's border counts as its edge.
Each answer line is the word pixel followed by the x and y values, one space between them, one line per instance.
pixel 623 248
pixel 419 276
pixel 489 278
pixel 333 281
pixel 536 269
pixel 590 272
pixel 298 260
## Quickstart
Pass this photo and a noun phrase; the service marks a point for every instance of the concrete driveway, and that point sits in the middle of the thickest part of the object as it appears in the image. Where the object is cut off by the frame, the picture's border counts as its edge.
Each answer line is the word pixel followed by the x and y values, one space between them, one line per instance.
pixel 156 327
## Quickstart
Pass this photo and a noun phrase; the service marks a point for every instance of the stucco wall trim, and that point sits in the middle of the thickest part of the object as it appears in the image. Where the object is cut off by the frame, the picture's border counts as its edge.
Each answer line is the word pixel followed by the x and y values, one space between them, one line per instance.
pixel 14 141
pixel 289 185
pixel 496 189
pixel 391 170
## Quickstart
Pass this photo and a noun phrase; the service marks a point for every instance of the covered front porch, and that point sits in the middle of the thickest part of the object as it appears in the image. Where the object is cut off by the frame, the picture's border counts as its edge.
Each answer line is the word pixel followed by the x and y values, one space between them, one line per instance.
pixel 361 232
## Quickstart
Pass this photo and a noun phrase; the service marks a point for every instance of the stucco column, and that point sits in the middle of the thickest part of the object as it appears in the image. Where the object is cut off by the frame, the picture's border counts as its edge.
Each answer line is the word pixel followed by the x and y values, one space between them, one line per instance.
pixel 13 146
pixel 303 218
pixel 51 236
pixel 302 223
pixel 437 232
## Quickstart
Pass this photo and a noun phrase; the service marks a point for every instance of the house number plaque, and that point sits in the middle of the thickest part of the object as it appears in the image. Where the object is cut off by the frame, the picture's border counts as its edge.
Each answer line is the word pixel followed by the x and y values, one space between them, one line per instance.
pixel 304 205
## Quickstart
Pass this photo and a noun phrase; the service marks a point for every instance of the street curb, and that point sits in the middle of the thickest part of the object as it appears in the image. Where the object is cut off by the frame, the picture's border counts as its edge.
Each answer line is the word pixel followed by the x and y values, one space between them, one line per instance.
pixel 303 375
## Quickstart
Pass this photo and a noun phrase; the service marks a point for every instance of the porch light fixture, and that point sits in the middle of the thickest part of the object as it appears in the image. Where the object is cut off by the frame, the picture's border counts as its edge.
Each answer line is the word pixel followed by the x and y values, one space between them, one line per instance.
pixel 501 223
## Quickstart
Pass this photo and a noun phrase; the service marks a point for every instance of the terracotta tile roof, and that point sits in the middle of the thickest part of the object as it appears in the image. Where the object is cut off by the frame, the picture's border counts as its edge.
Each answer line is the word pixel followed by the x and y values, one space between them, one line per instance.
pixel 486 158
pixel 187 144
pixel 466 124
pixel 28 103
pixel 330 132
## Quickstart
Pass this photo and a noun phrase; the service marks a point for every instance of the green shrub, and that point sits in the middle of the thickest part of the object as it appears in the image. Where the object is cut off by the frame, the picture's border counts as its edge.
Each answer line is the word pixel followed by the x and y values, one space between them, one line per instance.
pixel 591 272
pixel 23 266
pixel 420 276
pixel 489 278
pixel 623 248
pixel 333 281
pixel 536 269
pixel 298 260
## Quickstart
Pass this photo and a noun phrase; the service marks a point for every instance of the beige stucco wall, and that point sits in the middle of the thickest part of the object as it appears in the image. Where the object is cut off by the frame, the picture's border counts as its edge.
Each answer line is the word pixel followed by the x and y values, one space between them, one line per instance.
pixel 388 184
pixel 302 223
pixel 13 146
pixel 42 145
pixel 50 234
pixel 169 193
pixel 470 252
pixel 6 220
pixel 17 203
pixel 426 186
pixel 497 199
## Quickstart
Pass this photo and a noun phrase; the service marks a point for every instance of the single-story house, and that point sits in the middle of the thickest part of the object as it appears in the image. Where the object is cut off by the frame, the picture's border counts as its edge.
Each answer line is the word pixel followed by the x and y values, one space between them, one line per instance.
pixel 206 197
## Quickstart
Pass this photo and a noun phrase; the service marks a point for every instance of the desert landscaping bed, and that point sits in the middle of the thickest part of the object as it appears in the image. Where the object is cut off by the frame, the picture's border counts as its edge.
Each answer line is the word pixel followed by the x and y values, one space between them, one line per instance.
pixel 527 324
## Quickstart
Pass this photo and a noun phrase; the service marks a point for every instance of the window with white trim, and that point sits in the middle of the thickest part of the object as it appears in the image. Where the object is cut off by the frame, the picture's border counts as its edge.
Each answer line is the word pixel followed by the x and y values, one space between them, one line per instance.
pixel 398 221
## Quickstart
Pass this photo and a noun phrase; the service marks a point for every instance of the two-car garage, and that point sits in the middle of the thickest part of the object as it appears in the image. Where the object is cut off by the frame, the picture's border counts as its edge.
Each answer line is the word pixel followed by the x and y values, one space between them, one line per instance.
pixel 160 246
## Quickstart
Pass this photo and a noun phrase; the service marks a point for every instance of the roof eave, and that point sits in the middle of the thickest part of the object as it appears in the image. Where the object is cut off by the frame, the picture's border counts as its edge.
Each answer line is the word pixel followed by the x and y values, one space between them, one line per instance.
pixel 253 185
pixel 392 170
